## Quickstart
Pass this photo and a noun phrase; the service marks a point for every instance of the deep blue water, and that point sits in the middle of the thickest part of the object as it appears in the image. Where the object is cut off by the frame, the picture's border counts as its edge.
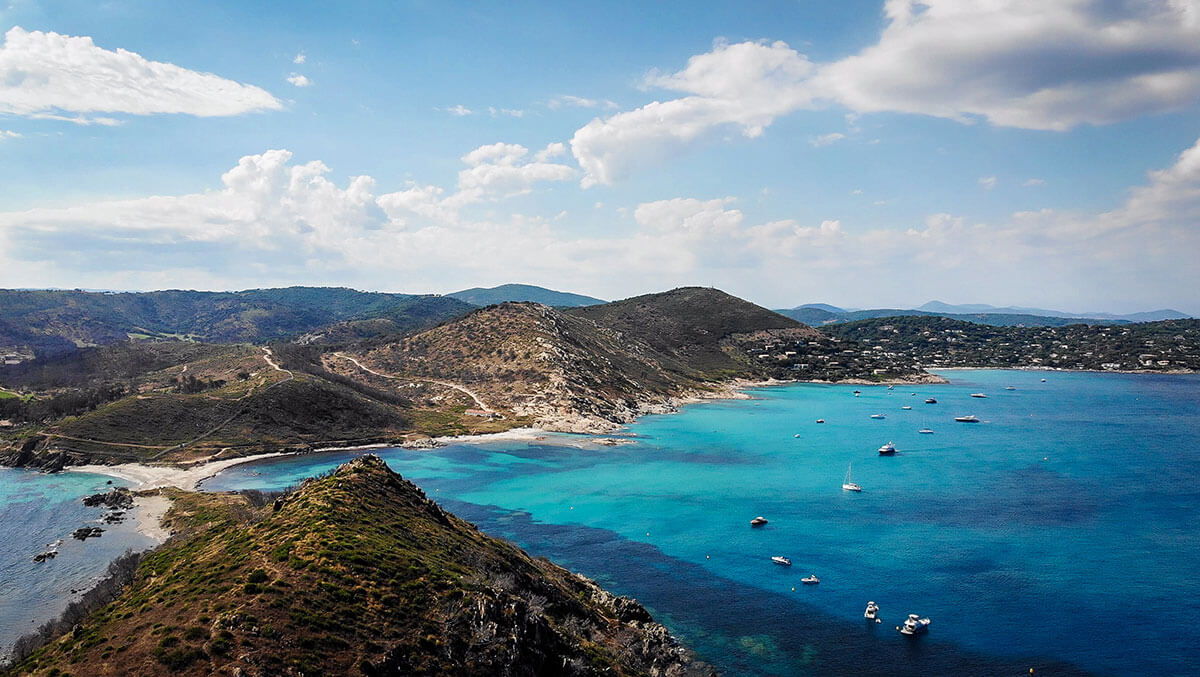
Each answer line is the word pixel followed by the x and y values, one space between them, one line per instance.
pixel 37 509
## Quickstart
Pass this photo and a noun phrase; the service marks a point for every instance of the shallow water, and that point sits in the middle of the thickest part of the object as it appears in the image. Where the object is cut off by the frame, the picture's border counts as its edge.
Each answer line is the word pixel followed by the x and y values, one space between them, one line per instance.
pixel 37 509
pixel 1057 534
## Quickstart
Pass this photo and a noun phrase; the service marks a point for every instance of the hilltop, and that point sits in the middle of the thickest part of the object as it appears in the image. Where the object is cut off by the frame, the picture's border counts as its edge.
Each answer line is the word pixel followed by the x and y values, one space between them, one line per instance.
pixel 355 573
pixel 480 296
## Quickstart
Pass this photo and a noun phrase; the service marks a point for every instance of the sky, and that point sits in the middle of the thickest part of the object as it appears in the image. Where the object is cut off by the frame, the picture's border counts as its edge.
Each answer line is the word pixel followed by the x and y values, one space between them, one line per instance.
pixel 1040 153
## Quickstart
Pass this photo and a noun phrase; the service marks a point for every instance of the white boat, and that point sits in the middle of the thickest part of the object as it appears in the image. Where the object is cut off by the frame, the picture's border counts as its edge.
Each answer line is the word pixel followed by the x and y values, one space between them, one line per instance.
pixel 810 579
pixel 848 485
pixel 887 449
pixel 878 416
pixel 979 395
pixel 781 560
pixel 970 418
pixel 906 407
pixel 914 625
pixel 758 521
pixel 1009 388
pixel 872 612
pixel 926 431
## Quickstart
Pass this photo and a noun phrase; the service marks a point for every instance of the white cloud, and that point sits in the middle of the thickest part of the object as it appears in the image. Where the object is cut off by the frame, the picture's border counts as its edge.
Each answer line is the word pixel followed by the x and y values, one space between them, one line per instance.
pixel 568 101
pixel 510 112
pixel 497 171
pixel 743 86
pixel 550 151
pixel 1034 64
pixel 457 110
pixel 987 182
pixel 1031 183
pixel 300 58
pixel 299 80
pixel 8 134
pixel 857 191
pixel 827 139
pixel 53 76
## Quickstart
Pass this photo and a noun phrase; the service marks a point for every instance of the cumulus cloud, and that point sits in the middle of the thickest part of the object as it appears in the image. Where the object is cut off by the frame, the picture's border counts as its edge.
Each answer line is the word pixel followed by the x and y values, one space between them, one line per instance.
pixel 499 170
pixel 827 139
pixel 987 182
pixel 742 87
pixel 299 58
pixel 8 134
pixel 1033 64
pixel 299 80
pixel 457 110
pixel 54 76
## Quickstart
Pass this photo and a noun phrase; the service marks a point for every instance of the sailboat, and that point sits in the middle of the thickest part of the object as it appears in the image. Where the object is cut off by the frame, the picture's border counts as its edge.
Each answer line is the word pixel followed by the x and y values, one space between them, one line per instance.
pixel 849 485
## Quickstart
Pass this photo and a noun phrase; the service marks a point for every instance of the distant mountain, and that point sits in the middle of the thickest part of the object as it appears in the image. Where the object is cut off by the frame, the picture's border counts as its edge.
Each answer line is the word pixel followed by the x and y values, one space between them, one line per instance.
pixel 946 310
pixel 990 315
pixel 52 321
pixel 523 292
pixel 354 573
pixel 823 306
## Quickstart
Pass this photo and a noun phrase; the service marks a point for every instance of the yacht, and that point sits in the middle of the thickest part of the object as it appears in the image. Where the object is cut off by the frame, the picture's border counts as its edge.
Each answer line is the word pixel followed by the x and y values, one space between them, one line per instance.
pixel 781 560
pixel 979 395
pixel 872 612
pixel 877 416
pixel 970 418
pixel 926 431
pixel 915 625
pixel 887 449
pixel 848 485
pixel 810 579
pixel 758 521
pixel 931 401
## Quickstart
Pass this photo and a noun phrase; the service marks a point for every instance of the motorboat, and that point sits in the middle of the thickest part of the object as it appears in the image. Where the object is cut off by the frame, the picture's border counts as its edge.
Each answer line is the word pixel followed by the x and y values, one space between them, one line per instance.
pixel 849 485
pixel 915 625
pixel 930 401
pixel 1009 388
pixel 878 416
pixel 857 393
pixel 1043 380
pixel 872 612
pixel 906 407
pixel 781 560
pixel 887 449
pixel 979 395
pixel 810 579
pixel 820 420
pixel 926 431
pixel 758 521
pixel 970 418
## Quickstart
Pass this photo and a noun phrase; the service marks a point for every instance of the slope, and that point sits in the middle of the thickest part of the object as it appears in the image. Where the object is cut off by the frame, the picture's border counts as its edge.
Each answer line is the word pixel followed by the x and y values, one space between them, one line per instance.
pixel 356 573
pixel 522 292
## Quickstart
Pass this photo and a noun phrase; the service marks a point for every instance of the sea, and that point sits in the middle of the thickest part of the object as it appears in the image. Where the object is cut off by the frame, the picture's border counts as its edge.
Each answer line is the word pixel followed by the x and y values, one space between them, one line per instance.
pixel 1057 535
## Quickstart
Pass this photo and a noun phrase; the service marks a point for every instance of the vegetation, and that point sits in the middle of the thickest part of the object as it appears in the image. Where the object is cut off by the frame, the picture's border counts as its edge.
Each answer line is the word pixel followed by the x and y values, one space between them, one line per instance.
pixel 356 573
pixel 1169 345
pixel 819 317
pixel 523 293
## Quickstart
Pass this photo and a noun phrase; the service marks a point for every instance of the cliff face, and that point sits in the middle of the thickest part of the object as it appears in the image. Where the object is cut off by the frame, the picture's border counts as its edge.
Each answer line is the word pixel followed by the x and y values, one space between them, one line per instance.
pixel 356 573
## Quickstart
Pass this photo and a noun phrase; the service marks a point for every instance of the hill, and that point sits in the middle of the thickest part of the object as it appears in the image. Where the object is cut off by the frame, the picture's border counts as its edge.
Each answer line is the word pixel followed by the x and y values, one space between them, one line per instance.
pixel 356 573
pixel 818 317
pixel 480 296
pixel 1169 345
pixel 49 322
pixel 946 309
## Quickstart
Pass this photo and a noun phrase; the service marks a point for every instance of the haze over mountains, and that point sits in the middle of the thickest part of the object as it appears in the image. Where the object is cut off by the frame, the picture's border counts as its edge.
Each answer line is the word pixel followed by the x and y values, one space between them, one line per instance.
pixel 818 314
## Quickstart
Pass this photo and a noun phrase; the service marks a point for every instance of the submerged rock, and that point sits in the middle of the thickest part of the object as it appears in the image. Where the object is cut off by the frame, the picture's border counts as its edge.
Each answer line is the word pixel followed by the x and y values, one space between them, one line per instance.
pixel 84 533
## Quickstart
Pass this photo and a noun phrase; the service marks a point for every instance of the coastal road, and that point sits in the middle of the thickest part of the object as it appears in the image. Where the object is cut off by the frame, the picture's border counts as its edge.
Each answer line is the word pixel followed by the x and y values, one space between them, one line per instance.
pixel 478 400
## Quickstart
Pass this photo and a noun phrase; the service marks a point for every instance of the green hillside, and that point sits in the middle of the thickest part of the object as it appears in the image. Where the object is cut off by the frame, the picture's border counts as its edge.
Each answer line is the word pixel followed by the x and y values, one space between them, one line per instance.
pixel 480 296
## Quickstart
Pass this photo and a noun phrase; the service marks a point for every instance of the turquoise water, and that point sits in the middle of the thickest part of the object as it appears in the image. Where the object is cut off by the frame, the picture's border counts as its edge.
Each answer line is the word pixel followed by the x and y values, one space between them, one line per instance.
pixel 1058 534
pixel 37 509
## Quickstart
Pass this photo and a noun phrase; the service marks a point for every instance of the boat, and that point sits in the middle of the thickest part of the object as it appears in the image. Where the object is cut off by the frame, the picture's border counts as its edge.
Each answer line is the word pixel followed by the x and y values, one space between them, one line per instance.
pixel 891 387
pixel 1043 380
pixel 781 560
pixel 906 407
pixel 887 449
pixel 931 401
pixel 914 625
pixel 848 485
pixel 758 521
pixel 857 393
pixel 796 435
pixel 970 418
pixel 820 420
pixel 1009 388
pixel 979 395
pixel 926 431
pixel 872 612
pixel 877 416
pixel 810 579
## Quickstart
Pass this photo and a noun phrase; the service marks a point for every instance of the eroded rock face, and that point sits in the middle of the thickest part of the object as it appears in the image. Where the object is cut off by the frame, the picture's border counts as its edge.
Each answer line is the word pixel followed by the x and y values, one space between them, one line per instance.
pixel 117 498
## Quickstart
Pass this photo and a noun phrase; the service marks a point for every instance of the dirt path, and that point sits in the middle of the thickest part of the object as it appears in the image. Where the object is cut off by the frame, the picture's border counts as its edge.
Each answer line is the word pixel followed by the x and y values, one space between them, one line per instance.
pixel 478 400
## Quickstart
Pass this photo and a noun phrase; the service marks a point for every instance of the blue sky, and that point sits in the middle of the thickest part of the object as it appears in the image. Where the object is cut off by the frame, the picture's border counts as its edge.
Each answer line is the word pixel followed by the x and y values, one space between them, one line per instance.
pixel 859 153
